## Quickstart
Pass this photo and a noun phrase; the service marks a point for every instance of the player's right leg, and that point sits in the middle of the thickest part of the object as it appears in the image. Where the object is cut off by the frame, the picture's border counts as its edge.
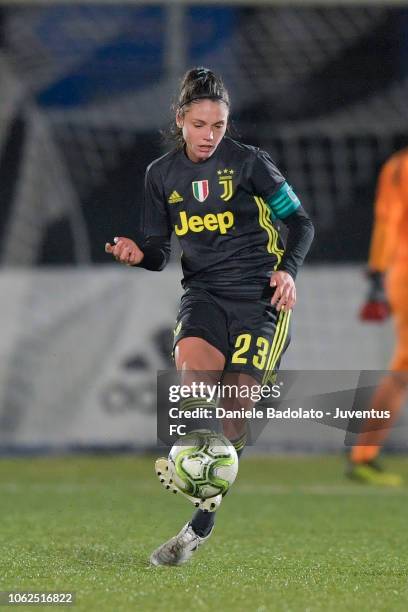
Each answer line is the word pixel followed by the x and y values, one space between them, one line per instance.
pixel 192 354
pixel 200 339
pixel 179 549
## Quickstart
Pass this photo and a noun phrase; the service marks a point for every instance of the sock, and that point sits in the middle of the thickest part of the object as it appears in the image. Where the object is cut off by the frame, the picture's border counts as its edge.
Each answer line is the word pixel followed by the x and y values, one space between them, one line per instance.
pixel 364 454
pixel 202 522
pixel 239 443
pixel 200 404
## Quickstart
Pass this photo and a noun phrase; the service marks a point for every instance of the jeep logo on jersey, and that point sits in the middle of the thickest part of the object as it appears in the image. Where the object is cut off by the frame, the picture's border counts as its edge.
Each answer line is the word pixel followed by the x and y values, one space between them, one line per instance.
pixel 212 222
pixel 200 190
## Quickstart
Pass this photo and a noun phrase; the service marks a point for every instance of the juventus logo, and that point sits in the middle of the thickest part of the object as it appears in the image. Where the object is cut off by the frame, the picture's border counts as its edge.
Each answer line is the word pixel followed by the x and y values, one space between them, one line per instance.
pixel 225 180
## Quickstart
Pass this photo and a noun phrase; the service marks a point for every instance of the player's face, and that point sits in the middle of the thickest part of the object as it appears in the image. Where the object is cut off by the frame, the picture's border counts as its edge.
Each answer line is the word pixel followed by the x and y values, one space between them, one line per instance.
pixel 203 124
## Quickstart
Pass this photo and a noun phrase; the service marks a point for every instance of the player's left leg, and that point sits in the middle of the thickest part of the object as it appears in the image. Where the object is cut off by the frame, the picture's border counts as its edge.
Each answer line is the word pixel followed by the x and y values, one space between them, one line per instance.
pixel 363 463
pixel 259 335
pixel 235 430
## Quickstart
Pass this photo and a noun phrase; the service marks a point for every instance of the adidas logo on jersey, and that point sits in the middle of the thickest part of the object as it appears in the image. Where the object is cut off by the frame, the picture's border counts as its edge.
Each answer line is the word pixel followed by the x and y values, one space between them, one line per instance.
pixel 212 222
pixel 175 197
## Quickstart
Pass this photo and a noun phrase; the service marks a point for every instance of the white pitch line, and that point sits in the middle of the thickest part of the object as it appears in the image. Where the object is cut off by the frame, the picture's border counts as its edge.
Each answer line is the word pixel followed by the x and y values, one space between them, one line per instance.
pixel 319 489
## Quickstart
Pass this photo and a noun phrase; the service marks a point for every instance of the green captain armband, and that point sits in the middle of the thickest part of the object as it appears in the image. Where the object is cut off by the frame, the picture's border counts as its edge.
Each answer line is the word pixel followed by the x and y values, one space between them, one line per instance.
pixel 284 202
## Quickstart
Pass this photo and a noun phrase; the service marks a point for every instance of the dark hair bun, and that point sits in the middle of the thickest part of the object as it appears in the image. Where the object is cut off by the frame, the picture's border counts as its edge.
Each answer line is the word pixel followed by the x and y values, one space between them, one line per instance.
pixel 201 83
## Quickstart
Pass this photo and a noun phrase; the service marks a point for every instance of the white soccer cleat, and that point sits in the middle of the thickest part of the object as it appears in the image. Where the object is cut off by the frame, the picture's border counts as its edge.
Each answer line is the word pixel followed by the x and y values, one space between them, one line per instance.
pixel 164 474
pixel 180 549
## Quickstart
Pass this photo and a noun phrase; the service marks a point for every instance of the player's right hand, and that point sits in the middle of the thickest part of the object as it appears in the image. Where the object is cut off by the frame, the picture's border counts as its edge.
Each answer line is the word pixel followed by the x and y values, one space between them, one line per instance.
pixel 376 307
pixel 125 251
pixel 375 312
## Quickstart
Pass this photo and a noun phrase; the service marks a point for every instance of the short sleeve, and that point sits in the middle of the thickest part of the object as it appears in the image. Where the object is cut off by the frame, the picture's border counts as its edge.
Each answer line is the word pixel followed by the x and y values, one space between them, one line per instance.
pixel 155 219
pixel 265 178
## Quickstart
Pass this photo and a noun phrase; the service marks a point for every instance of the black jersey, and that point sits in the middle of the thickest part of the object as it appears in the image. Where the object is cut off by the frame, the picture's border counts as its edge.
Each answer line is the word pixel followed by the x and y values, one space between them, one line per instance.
pixel 218 211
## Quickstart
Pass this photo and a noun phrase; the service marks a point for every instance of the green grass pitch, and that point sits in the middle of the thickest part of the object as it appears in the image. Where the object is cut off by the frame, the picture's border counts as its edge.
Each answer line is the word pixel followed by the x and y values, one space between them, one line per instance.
pixel 292 535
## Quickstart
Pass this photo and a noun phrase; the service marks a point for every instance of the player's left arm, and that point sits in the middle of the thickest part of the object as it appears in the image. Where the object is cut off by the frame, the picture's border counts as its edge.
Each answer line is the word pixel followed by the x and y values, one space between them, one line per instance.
pixel 285 206
pixel 267 181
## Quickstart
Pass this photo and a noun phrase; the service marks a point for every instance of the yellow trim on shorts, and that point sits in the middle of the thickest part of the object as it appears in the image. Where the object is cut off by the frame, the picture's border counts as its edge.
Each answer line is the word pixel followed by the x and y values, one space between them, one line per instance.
pixel 279 339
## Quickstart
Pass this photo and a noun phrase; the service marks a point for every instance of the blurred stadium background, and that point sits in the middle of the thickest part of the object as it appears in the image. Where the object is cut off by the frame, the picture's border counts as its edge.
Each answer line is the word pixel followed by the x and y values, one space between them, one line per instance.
pixel 85 90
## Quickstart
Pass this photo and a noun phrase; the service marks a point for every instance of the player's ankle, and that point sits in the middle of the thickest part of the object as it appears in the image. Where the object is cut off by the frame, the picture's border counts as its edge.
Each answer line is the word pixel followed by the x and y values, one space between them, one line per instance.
pixel 202 523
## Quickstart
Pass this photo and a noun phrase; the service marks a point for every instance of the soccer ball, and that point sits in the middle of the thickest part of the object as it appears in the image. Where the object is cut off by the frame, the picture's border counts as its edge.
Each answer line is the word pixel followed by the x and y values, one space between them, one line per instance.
pixel 203 464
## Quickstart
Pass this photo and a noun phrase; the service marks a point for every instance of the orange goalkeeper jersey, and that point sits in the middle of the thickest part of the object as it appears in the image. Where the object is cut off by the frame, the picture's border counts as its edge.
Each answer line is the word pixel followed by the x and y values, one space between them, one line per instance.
pixel 389 242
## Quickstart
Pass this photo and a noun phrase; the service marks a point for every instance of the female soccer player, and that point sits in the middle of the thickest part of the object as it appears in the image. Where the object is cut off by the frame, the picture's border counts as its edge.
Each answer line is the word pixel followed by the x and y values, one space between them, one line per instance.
pixel 220 197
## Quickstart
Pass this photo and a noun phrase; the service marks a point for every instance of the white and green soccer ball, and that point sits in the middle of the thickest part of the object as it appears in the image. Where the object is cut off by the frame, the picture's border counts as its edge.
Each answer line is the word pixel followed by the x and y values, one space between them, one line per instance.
pixel 203 464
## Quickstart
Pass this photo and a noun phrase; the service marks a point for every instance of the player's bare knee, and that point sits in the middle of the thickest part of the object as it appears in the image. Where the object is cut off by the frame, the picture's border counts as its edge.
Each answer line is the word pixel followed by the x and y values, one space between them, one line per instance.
pixel 198 355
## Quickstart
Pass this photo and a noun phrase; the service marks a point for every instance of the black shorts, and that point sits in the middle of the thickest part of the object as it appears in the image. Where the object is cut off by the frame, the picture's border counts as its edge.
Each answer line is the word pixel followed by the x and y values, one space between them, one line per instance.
pixel 252 335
